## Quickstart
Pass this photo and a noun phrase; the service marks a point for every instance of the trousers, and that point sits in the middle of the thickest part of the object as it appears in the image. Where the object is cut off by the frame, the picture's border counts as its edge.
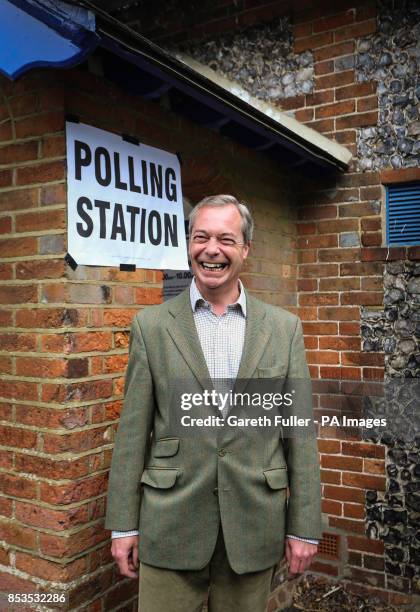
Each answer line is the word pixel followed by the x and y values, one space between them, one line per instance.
pixel 163 590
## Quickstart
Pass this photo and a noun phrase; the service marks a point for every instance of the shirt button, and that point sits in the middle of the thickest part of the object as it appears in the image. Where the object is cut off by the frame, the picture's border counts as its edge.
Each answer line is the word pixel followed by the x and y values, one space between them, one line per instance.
pixel 222 452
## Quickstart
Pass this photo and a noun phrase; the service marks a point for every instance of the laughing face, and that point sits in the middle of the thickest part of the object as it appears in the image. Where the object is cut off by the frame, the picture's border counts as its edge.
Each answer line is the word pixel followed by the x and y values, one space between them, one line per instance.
pixel 217 250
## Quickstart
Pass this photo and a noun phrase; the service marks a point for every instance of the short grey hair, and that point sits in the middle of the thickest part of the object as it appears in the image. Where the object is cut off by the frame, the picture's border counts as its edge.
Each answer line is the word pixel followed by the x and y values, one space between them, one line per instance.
pixel 226 200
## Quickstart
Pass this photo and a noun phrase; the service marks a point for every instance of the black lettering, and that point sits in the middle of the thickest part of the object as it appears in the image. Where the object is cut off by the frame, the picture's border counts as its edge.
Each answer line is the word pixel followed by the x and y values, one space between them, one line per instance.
pixel 170 229
pixel 133 210
pixel 144 176
pixel 155 234
pixel 142 225
pixel 105 180
pixel 156 179
pixel 118 225
pixel 170 187
pixel 85 232
pixel 79 159
pixel 133 186
pixel 118 182
pixel 103 207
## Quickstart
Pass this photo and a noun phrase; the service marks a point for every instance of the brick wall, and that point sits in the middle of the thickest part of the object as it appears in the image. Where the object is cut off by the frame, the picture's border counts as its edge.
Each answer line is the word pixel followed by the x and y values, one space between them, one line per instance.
pixel 64 333
pixel 341 234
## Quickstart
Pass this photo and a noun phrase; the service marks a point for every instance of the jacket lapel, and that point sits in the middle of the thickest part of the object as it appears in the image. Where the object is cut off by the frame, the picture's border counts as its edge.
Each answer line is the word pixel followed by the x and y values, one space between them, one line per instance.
pixel 257 334
pixel 184 333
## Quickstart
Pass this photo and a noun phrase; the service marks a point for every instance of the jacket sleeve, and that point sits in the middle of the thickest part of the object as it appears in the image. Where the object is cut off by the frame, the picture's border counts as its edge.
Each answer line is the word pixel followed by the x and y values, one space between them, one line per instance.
pixel 304 506
pixel 132 440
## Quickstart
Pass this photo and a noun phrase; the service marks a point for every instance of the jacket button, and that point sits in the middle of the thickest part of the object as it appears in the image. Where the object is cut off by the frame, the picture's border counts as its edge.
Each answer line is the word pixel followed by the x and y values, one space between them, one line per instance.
pixel 216 491
pixel 222 452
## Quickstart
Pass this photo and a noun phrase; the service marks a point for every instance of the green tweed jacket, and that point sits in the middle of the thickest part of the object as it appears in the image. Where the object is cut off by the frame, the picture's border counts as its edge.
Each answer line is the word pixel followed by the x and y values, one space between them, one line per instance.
pixel 178 489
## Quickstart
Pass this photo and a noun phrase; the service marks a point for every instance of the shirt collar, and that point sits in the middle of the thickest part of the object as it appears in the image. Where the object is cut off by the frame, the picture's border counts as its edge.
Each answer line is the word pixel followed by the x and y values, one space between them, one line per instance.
pixel 195 297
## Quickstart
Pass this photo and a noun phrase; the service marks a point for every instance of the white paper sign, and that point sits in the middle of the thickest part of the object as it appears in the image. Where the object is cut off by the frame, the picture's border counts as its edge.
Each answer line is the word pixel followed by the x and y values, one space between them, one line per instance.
pixel 124 202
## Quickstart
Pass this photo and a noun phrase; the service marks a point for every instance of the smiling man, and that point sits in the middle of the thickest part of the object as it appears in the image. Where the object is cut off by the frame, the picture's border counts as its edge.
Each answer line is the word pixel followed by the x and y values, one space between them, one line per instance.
pixel 211 517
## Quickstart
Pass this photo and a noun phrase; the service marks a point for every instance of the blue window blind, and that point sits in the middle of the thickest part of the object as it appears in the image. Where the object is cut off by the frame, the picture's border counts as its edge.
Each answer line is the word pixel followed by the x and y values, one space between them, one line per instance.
pixel 403 213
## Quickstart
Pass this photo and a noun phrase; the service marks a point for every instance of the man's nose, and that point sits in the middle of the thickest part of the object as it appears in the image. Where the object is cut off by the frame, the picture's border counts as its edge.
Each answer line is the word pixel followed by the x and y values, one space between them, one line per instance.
pixel 212 246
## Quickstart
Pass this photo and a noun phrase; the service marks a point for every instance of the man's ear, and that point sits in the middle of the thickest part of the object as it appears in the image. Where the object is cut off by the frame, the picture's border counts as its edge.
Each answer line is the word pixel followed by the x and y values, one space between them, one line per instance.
pixel 246 249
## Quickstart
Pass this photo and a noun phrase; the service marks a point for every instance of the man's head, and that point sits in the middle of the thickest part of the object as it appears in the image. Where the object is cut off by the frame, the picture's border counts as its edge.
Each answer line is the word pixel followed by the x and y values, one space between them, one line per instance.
pixel 220 234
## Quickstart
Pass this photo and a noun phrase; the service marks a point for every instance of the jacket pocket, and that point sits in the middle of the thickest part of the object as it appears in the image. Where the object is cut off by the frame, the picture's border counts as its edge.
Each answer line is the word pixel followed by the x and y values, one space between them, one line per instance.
pixel 273 372
pixel 159 478
pixel 277 478
pixel 167 447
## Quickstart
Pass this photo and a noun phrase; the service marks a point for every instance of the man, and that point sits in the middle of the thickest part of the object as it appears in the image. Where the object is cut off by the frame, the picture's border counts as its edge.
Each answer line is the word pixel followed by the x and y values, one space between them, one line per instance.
pixel 211 510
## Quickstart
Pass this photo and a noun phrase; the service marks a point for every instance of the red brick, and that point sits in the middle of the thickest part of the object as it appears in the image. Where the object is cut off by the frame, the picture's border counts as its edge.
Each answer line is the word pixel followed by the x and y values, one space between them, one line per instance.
pixel 41 173
pixel 361 269
pixel 349 329
pixel 18 247
pixel 367 104
pixel 363 298
pixel 374 563
pixel 330 477
pixel 313 299
pixel 307 284
pixel 53 146
pixel 18 294
pixel 339 284
pixel 324 568
pixel 338 225
pixel 346 524
pixel 333 110
pixel 413 253
pixel 43 268
pixel 307 256
pixel 358 120
pixel 317 212
pixel 373 374
pixel 77 392
pixel 365 544
pixel 53 194
pixel 344 494
pixel 81 342
pixel 17 200
pixel 17 486
pixel 304 115
pixel 74 442
pixel 321 97
pixel 356 511
pixel 309 242
pixel 371 239
pixel 313 42
pixel 5 225
pixel 325 67
pixel 356 30
pixel 13 584
pixel 42 220
pixel 364 481
pixel 323 125
pixel 19 390
pixel 22 438
pixel 358 209
pixel 39 367
pixel 75 491
pixel 329 446
pixel 56 546
pixel 37 125
pixel 339 254
pixel 23 105
pixel 56 469
pixel 334 22
pixel 345 137
pixel 17 342
pixel 382 254
pixel 47 570
pixel 341 313
pixel 15 153
pixel 293 103
pixel 320 328
pixel 302 29
pixel 304 229
pixel 353 464
pixel 400 176
pixel 331 507
pixel 337 79
pixel 6 508
pixel 57 520
pixel 338 343
pixel 318 270
pixel 151 295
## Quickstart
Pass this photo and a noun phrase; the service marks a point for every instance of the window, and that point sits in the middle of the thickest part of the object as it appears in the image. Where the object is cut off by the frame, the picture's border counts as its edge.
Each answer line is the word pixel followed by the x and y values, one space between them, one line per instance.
pixel 403 214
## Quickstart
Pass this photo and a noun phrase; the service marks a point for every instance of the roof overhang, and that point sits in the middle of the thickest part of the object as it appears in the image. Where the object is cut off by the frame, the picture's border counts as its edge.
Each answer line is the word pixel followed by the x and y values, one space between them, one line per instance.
pixel 193 90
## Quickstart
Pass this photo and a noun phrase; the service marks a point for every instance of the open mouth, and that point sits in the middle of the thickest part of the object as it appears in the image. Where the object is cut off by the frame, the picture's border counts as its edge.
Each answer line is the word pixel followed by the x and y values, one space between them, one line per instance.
pixel 213 266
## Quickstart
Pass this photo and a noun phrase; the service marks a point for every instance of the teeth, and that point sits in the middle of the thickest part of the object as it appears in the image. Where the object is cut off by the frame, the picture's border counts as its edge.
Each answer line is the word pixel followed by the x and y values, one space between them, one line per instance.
pixel 213 266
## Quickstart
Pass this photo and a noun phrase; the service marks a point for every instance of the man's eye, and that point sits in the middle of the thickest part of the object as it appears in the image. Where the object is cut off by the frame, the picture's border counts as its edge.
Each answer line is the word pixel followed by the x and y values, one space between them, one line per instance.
pixel 228 241
pixel 200 238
